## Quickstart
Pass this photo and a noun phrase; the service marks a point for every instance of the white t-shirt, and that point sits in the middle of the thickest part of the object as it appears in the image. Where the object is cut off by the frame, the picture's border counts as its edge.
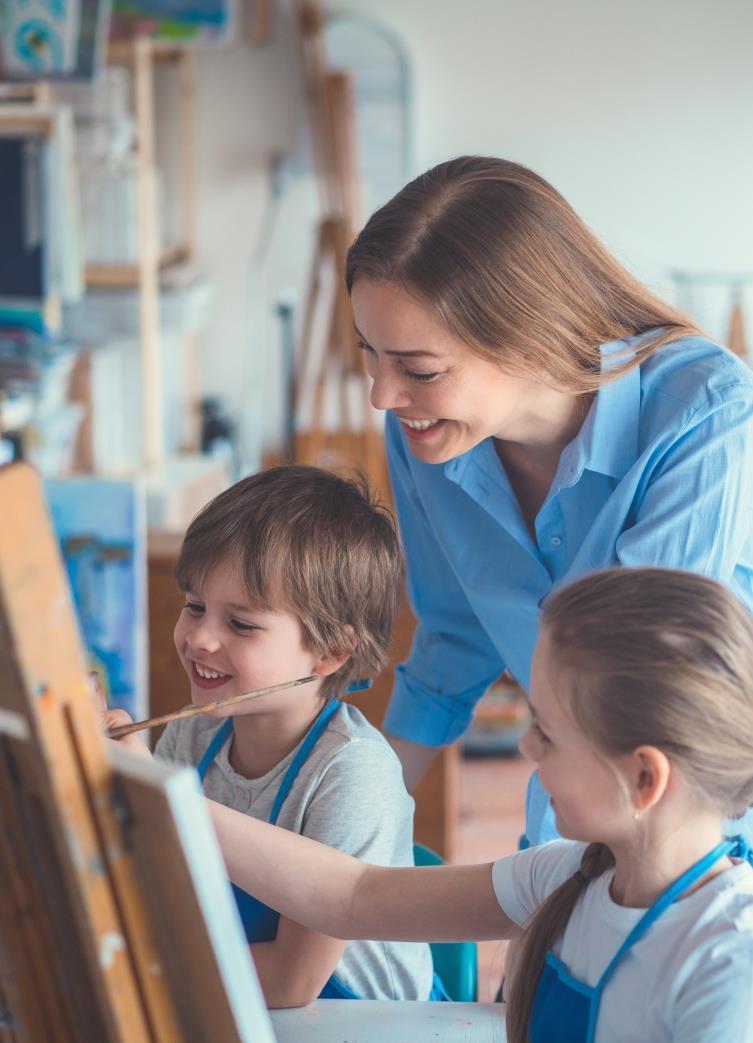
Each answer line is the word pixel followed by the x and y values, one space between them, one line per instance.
pixel 689 979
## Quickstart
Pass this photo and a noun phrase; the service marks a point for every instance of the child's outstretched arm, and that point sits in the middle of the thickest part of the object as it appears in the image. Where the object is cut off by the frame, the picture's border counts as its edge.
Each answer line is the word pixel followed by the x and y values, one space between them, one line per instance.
pixel 335 894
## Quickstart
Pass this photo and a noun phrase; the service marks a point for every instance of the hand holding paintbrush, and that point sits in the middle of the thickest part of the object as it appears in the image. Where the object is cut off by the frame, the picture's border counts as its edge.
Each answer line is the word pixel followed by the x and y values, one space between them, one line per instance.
pixel 119 731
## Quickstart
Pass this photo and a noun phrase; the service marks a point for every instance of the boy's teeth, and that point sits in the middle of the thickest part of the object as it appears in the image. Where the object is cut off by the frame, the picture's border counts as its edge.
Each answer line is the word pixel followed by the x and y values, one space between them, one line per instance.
pixel 420 425
pixel 208 675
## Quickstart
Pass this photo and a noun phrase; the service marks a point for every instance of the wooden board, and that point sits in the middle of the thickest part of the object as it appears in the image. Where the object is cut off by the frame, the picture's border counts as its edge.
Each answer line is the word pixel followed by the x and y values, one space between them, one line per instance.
pixel 89 921
pixel 60 784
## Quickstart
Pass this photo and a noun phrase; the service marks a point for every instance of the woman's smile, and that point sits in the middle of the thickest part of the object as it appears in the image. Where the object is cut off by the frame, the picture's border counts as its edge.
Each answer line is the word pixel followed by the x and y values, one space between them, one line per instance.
pixel 420 430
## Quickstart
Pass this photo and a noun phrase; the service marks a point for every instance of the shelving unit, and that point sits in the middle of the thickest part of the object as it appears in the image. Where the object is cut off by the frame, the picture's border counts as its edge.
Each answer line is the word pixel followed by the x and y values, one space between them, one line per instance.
pixel 141 56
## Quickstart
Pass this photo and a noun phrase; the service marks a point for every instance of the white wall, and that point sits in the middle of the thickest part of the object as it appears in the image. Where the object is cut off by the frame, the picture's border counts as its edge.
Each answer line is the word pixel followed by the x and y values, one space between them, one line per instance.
pixel 639 111
pixel 249 112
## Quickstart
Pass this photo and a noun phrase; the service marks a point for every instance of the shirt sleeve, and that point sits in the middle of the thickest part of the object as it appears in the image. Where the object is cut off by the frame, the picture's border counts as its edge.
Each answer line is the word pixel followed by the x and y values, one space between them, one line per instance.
pixel 452 660
pixel 523 881
pixel 361 806
pixel 716 1003
pixel 697 510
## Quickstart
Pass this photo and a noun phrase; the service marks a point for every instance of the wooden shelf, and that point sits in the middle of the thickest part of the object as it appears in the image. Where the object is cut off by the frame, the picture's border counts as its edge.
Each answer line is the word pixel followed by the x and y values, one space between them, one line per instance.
pixel 23 119
pixel 127 275
pixel 122 52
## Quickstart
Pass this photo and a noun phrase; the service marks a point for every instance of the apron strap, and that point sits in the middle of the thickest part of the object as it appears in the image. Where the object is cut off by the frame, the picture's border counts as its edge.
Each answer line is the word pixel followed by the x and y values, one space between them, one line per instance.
pixel 676 890
pixel 218 740
pixel 225 730
pixel 300 758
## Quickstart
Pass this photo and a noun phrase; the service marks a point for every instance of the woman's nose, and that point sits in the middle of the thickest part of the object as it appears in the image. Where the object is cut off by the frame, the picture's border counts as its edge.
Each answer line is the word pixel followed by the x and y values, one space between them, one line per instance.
pixel 387 392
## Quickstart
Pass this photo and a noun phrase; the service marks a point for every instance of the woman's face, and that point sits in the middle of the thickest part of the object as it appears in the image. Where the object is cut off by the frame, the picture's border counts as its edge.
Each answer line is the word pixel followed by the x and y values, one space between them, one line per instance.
pixel 447 398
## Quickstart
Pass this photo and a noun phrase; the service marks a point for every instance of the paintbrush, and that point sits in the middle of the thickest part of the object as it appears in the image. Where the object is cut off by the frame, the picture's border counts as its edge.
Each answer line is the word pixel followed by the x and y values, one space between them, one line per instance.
pixel 191 711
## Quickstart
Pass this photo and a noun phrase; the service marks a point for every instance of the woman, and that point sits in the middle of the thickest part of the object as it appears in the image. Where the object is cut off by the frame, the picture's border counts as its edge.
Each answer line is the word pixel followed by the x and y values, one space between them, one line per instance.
pixel 547 417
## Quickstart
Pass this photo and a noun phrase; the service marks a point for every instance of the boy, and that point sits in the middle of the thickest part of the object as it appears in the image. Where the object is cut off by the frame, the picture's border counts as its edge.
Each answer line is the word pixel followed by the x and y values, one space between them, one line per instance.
pixel 289 573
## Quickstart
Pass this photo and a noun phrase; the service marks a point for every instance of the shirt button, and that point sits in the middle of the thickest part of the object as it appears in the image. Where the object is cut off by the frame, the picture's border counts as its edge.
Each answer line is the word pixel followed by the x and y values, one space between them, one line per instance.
pixel 240 793
pixel 555 541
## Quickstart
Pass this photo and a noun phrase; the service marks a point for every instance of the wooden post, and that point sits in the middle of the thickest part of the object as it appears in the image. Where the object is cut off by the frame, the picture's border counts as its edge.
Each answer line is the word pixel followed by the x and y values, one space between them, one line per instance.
pixel 152 426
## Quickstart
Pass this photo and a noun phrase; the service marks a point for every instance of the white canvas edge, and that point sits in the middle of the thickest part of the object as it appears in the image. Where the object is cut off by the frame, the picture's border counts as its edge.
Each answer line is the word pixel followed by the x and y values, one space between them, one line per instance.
pixel 194 826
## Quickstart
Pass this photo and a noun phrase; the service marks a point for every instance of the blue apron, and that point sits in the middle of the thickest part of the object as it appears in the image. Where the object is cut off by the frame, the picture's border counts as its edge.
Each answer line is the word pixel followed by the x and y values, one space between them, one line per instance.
pixel 565 1010
pixel 259 921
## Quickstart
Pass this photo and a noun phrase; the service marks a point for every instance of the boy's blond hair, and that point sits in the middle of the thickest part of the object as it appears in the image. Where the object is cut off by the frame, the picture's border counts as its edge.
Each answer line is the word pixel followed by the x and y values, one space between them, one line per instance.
pixel 309 542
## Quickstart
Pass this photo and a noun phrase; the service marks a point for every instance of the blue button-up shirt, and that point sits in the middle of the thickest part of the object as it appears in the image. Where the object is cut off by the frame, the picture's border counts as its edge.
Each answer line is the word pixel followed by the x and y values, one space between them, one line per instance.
pixel 661 473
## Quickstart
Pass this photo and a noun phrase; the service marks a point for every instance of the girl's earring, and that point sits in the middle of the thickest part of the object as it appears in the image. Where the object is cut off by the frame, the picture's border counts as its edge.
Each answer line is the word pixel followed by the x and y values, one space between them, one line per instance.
pixel 637 814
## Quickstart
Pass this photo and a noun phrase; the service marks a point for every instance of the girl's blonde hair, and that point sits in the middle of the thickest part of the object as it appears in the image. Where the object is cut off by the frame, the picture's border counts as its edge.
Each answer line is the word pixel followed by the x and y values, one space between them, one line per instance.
pixel 513 272
pixel 652 657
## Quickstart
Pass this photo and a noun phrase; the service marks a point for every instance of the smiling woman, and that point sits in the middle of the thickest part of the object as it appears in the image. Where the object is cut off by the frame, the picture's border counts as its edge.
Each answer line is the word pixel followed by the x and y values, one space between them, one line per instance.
pixel 547 416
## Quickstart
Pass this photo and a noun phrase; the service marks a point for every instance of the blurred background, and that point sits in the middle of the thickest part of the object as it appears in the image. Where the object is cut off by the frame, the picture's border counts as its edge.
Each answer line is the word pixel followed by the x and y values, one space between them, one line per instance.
pixel 179 182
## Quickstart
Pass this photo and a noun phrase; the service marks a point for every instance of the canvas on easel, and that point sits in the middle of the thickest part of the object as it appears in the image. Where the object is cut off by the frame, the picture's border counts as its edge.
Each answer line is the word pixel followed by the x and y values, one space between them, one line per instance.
pixel 117 924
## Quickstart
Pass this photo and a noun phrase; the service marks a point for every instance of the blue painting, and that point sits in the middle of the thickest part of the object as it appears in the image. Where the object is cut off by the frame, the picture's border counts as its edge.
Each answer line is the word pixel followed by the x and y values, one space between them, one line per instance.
pixel 59 39
pixel 175 20
pixel 101 526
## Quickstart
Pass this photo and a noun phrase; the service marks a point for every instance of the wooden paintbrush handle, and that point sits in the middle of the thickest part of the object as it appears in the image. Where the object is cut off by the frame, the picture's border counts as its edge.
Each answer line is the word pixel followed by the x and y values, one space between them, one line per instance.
pixel 192 711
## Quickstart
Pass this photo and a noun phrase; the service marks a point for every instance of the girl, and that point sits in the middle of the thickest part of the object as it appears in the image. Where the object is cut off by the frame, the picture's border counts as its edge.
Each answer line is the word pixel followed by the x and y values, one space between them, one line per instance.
pixel 546 416
pixel 639 926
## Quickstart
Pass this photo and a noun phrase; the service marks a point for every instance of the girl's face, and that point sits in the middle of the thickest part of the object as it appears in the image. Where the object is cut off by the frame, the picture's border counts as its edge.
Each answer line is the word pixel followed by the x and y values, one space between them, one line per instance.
pixel 229 647
pixel 589 798
pixel 447 398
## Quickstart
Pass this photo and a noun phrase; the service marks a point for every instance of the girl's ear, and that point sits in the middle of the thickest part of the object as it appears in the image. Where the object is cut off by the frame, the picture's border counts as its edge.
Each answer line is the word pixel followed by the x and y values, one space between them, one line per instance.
pixel 651 771
pixel 329 662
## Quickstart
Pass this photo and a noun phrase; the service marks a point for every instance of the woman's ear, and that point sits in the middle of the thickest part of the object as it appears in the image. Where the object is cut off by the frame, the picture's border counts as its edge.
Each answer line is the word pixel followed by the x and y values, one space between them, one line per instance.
pixel 650 770
pixel 329 662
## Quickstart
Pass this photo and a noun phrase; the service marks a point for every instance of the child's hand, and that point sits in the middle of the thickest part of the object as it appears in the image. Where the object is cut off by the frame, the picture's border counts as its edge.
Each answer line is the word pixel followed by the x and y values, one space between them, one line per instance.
pixel 134 742
pixel 114 718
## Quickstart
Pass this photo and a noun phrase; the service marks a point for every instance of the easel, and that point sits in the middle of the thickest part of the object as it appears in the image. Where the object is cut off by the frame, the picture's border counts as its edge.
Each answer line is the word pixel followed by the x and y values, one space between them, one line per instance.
pixel 332 360
pixel 103 933
pixel 357 443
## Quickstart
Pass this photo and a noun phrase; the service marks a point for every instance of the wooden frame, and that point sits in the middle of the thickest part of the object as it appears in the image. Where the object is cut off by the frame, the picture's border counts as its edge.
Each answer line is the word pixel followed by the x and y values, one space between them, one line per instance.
pixel 105 929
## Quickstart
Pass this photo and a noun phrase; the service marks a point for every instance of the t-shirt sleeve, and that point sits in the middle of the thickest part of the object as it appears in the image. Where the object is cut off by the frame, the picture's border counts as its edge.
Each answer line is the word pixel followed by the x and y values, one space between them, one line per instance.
pixel 361 806
pixel 523 881
pixel 716 1003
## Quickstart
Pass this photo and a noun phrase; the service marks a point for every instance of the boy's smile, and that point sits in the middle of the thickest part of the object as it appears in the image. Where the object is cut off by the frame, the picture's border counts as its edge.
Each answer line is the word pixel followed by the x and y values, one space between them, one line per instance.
pixel 206 677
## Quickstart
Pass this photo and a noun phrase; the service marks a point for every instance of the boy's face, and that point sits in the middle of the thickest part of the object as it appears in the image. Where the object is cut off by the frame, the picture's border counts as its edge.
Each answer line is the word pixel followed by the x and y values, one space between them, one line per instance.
pixel 228 647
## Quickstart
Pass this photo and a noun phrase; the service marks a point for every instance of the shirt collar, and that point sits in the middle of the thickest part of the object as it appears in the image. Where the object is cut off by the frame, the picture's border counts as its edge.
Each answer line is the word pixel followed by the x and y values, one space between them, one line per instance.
pixel 607 443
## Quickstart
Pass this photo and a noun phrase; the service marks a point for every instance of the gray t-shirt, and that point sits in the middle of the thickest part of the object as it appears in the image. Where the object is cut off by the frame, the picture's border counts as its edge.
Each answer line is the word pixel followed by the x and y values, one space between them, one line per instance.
pixel 350 795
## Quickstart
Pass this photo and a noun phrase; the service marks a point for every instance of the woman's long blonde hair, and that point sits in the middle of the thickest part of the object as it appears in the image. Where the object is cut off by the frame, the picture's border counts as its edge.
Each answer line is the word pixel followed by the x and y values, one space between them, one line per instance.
pixel 650 657
pixel 513 272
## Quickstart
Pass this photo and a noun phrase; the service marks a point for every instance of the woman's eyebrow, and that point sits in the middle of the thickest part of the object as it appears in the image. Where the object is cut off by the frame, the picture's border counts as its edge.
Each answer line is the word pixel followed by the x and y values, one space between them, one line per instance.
pixel 399 354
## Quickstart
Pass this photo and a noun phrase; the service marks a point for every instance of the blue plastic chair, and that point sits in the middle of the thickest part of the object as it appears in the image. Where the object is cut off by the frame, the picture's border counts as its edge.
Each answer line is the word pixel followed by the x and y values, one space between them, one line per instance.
pixel 456 963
